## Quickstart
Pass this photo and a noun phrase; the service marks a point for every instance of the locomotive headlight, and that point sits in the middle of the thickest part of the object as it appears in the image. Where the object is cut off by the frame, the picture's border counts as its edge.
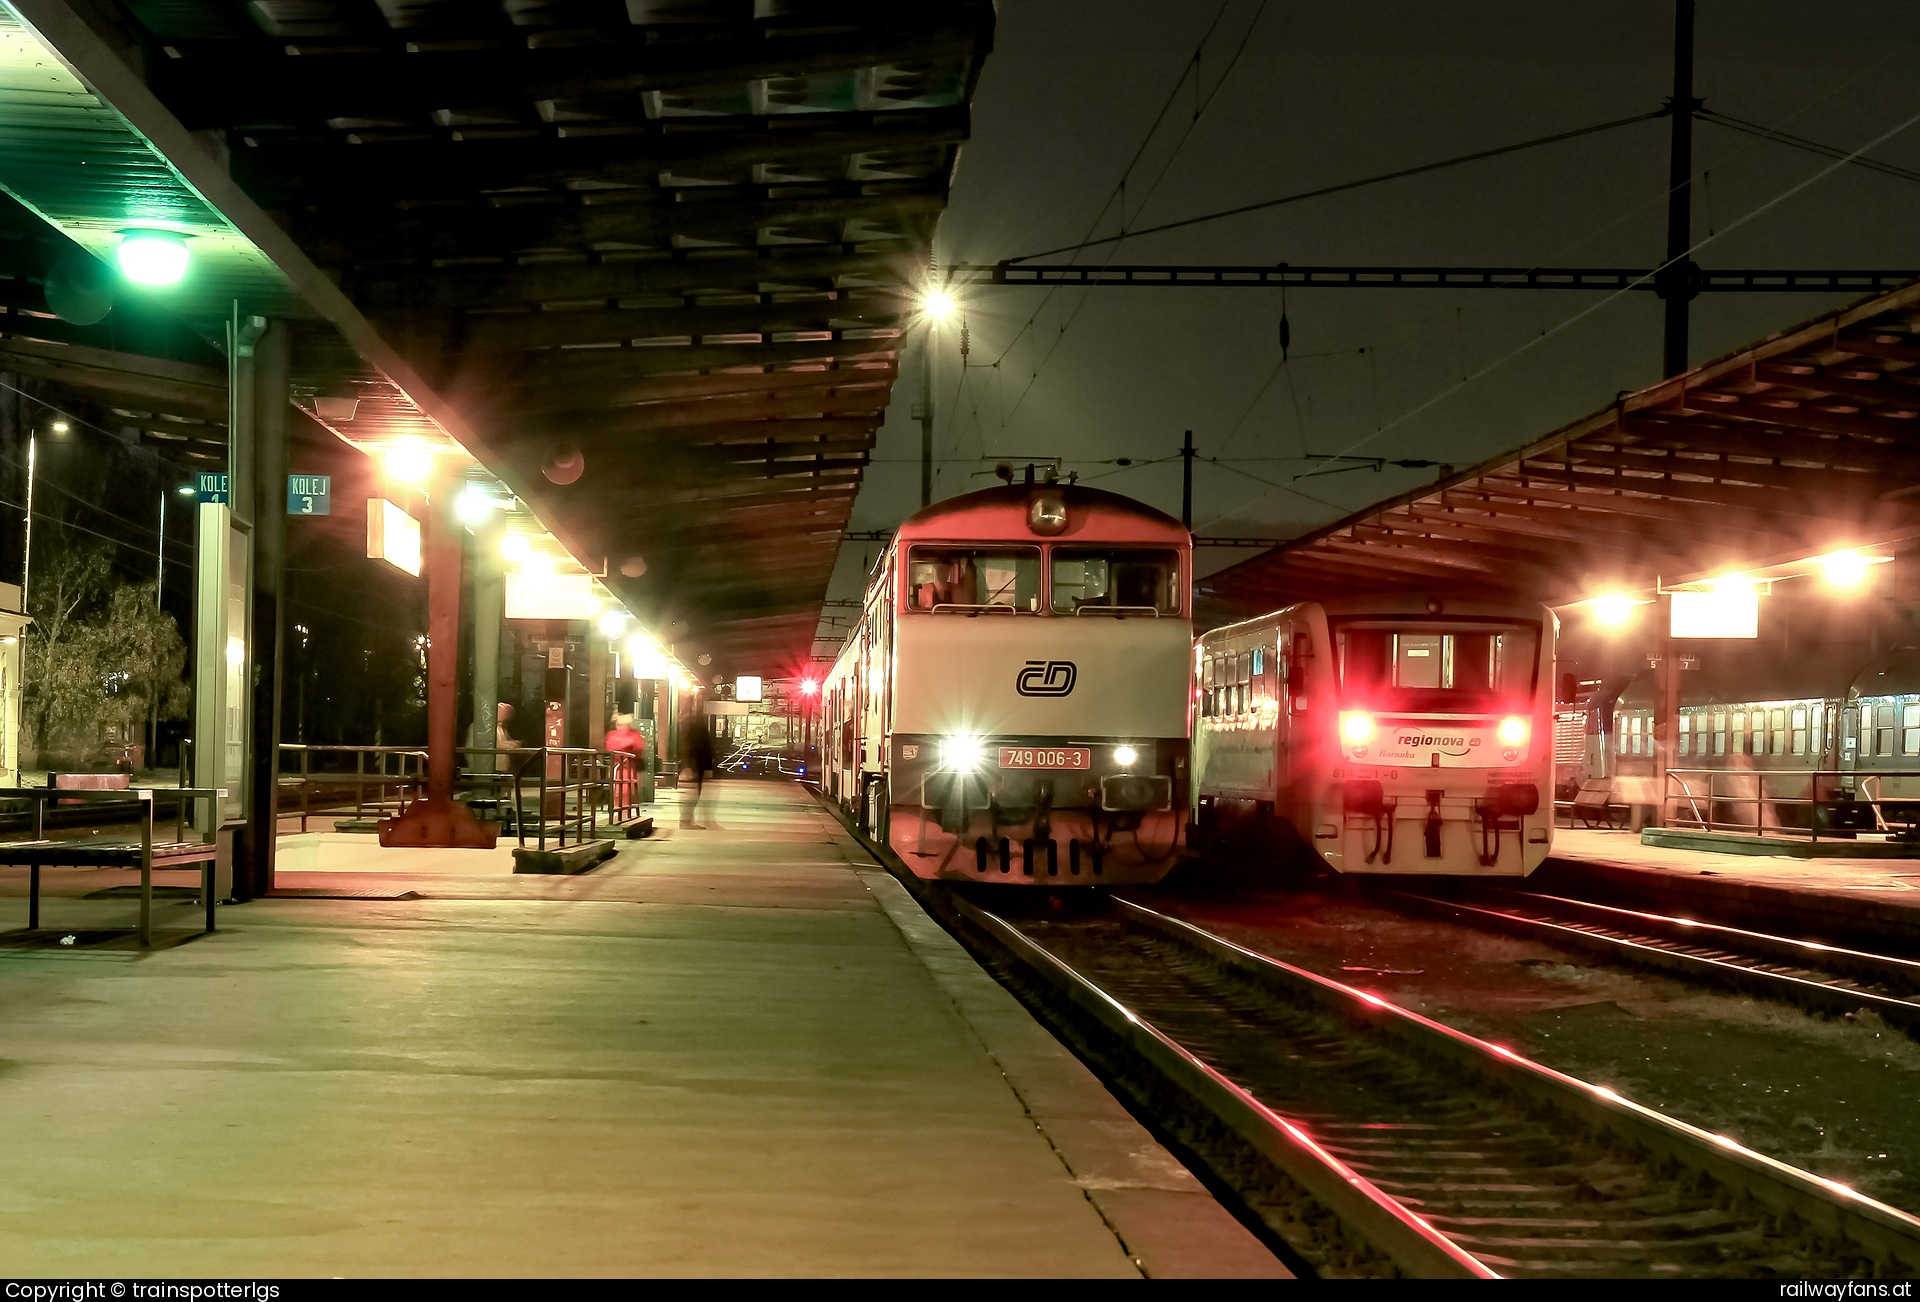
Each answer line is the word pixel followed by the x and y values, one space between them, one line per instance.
pixel 1356 727
pixel 1124 756
pixel 962 754
pixel 1513 731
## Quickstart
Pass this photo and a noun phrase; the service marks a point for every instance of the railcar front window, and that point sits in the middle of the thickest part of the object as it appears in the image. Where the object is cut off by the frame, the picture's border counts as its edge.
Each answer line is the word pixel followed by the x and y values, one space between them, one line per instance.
pixel 1107 580
pixel 1437 667
pixel 968 579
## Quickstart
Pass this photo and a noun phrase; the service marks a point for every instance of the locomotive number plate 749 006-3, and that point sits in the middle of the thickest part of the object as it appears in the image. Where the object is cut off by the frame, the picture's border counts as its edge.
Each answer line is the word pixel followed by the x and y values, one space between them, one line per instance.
pixel 1045 757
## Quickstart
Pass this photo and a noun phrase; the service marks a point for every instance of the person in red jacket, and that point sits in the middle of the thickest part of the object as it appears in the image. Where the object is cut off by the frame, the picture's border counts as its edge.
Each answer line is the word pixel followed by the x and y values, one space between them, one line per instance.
pixel 625 739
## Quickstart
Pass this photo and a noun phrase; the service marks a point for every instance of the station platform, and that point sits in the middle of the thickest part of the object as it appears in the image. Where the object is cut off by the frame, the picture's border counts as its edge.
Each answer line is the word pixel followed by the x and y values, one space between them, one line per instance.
pixel 1830 897
pixel 739 1050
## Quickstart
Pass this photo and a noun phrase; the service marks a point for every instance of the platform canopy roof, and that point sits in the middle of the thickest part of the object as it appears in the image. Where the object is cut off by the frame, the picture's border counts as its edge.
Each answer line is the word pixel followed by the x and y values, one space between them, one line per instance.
pixel 682 237
pixel 1805 443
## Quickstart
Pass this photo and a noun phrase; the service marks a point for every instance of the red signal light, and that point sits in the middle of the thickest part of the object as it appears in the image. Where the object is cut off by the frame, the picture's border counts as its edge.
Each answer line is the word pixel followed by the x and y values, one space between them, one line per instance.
pixel 1513 731
pixel 809 688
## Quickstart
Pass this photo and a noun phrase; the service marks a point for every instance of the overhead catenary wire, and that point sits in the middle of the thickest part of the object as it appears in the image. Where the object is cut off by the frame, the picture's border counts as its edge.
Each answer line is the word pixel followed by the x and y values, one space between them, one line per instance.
pixel 1344 186
pixel 1200 109
pixel 1613 297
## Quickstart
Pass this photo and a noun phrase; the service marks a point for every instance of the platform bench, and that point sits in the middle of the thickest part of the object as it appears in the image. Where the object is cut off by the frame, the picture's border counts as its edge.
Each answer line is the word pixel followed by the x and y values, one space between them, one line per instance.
pixel 1594 804
pixel 144 853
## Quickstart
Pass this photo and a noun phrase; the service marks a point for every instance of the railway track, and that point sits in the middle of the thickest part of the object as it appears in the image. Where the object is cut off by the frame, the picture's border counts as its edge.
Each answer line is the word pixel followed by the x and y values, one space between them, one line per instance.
pixel 1371 1141
pixel 1827 979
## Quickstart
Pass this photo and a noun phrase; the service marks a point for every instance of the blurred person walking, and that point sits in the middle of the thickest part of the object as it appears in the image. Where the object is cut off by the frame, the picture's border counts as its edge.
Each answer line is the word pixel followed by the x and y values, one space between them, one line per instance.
pixel 696 757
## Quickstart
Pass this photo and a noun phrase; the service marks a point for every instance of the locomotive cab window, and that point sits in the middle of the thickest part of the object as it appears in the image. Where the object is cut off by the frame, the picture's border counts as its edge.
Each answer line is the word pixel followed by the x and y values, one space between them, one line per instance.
pixel 1425 666
pixel 1141 582
pixel 972 579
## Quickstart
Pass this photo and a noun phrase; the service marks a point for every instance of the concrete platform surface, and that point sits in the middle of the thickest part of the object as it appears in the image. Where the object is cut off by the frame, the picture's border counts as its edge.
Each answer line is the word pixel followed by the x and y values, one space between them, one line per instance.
pixel 739 1050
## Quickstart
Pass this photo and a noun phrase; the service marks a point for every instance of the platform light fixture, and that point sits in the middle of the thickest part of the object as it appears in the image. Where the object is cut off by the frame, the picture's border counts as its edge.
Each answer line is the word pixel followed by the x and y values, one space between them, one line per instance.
pixel 150 257
pixel 937 306
pixel 1848 569
pixel 475 506
pixel 515 547
pixel 537 565
pixel 409 462
pixel 613 622
pixel 1612 609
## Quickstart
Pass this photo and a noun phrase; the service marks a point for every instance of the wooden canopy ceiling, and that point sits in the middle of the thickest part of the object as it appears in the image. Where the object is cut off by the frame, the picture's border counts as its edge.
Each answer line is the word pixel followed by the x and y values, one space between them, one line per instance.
pixel 1806 442
pixel 681 236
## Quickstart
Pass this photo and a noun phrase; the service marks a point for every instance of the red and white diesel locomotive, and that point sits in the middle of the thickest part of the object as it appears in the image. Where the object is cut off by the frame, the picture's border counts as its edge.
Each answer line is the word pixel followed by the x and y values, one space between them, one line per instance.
pixel 1392 734
pixel 1013 704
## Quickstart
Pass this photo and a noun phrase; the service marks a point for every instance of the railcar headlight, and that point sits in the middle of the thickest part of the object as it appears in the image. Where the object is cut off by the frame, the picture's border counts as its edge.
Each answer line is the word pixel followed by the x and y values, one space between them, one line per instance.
pixel 1513 731
pixel 1356 726
pixel 962 754
pixel 1124 756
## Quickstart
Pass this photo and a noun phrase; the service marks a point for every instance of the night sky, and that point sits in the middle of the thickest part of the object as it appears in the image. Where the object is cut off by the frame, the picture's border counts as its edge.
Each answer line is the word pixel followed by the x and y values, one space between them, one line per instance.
pixel 1321 94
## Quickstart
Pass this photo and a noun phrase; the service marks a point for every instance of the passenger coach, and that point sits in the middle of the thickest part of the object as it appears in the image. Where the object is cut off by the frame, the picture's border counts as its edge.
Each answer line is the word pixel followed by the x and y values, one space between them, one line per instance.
pixel 1392 734
pixel 1013 704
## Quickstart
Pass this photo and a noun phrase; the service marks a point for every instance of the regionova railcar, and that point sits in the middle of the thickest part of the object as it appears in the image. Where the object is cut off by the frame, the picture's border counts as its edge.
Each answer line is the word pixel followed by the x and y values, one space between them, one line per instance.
pixel 1391 734
pixel 1012 705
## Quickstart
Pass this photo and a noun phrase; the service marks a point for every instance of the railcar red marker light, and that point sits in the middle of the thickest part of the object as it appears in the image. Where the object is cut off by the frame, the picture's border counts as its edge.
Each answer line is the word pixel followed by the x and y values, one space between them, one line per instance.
pixel 1513 731
pixel 1357 727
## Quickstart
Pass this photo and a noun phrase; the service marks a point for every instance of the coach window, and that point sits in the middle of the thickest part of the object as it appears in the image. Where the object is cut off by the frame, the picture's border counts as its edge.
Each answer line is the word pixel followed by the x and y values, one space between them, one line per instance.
pixel 1910 728
pixel 1883 730
pixel 1818 741
pixel 971 580
pixel 1739 732
pixel 1686 734
pixel 1777 719
pixel 1633 726
pixel 1115 582
pixel 1799 730
pixel 1719 732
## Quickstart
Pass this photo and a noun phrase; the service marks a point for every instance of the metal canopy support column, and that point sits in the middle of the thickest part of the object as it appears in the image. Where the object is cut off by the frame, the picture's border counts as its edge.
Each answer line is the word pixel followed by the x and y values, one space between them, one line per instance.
pixel 925 413
pixel 267 469
pixel 435 819
pixel 489 608
pixel 1666 708
pixel 1676 281
pixel 222 613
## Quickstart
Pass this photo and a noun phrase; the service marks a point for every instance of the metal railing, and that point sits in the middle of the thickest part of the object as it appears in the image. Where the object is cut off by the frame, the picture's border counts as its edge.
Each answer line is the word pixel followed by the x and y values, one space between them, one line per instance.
pixel 1809 803
pixel 565 793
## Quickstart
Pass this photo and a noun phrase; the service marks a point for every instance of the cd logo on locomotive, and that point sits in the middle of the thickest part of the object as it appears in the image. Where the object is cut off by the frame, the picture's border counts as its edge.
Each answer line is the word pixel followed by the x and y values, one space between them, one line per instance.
pixel 1047 678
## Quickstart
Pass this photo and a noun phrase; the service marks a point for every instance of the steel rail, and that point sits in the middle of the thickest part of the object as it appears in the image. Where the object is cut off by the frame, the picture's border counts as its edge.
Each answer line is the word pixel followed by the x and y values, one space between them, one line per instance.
pixel 1854 1224
pixel 1394 1231
pixel 1889 1234
pixel 1829 979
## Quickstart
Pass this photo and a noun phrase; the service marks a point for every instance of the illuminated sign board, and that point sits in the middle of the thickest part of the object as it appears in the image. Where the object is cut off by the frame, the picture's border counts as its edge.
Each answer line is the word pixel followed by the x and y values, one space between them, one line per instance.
pixel 1731 612
pixel 551 596
pixel 393 536
pixel 746 688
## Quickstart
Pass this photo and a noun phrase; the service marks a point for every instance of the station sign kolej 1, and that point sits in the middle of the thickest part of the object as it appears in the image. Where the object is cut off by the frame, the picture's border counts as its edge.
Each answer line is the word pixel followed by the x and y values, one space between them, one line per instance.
pixel 210 486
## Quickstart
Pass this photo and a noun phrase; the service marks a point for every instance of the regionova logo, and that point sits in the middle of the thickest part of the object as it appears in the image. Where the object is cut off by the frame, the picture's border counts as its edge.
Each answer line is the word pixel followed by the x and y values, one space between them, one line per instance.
pixel 1047 678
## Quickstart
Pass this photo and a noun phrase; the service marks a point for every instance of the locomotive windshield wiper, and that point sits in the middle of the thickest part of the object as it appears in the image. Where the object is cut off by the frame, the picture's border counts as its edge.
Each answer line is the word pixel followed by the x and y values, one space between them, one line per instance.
pixel 1117 611
pixel 973 608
